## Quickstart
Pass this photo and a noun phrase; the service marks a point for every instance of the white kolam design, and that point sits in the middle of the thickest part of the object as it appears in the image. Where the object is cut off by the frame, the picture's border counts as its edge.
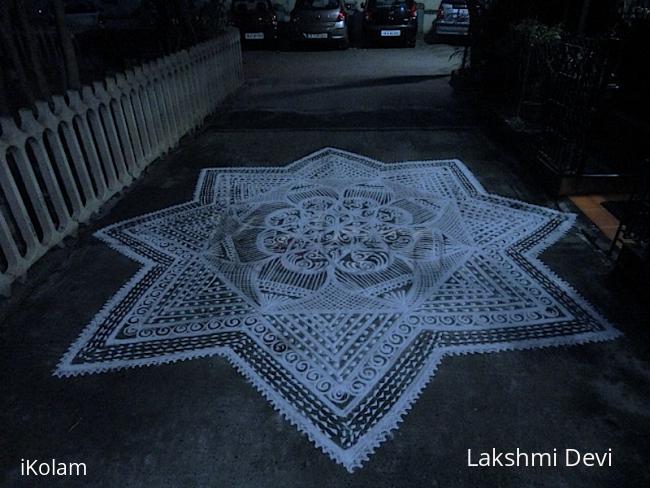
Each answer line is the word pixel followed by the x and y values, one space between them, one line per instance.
pixel 336 285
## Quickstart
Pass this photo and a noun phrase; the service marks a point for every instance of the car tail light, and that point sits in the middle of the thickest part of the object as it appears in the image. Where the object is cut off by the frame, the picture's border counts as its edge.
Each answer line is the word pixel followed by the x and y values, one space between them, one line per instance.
pixel 341 16
pixel 368 15
pixel 441 13
pixel 413 11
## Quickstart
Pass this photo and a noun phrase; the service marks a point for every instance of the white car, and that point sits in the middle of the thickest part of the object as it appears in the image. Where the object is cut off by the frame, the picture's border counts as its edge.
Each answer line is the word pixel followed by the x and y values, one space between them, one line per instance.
pixel 82 16
pixel 452 19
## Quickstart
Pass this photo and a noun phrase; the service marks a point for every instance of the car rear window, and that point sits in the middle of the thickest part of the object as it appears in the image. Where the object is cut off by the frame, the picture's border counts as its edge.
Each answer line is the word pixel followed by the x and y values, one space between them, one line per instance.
pixel 80 8
pixel 250 5
pixel 317 4
pixel 391 3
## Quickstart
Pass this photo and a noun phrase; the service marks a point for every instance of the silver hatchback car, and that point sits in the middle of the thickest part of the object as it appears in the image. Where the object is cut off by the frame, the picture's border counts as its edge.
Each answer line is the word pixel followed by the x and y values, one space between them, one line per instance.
pixel 452 19
pixel 320 21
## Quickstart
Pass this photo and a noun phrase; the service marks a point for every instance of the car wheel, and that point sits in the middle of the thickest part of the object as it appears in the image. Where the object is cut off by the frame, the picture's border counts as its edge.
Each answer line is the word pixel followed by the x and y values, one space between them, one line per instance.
pixel 343 45
pixel 411 43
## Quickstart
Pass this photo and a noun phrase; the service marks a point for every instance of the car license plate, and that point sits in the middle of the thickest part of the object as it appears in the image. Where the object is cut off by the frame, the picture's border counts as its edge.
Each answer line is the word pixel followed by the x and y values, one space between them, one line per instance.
pixel 254 35
pixel 317 36
pixel 390 33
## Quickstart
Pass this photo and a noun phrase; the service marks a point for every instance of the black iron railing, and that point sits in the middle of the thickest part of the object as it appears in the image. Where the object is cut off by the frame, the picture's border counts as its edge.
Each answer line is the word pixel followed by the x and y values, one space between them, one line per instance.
pixel 572 88
pixel 634 228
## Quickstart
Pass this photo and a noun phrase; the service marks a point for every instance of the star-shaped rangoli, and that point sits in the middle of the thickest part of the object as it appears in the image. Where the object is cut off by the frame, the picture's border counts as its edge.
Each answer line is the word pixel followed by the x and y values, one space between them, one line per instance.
pixel 336 285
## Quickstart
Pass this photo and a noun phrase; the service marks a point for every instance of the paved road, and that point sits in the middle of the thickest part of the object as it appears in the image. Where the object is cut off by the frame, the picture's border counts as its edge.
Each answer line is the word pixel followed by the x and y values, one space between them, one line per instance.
pixel 198 423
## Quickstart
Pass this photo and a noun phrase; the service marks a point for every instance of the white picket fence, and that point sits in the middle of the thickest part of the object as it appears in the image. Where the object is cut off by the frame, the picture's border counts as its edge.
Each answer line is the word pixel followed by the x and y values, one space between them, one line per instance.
pixel 60 164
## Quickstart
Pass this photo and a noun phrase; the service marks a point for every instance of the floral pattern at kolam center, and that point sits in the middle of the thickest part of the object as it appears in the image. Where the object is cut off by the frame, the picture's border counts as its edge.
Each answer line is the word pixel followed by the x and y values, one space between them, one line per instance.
pixel 325 230
pixel 362 237
pixel 354 231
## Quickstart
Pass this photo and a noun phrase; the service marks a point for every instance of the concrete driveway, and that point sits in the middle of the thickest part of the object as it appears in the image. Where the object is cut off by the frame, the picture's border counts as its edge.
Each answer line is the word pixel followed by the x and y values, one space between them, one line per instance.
pixel 199 423
pixel 346 89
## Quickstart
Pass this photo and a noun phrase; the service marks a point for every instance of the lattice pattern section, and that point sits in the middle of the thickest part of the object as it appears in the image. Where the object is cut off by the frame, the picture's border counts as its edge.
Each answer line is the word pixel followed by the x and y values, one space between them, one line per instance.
pixel 336 285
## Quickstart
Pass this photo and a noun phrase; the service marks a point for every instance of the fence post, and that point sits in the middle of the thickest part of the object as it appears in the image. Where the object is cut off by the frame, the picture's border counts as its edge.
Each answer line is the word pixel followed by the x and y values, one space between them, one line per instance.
pixel 112 99
pixel 59 166
pixel 34 138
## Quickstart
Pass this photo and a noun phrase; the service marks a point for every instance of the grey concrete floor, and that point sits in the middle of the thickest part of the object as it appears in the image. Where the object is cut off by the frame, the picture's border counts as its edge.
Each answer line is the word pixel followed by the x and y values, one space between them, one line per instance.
pixel 198 423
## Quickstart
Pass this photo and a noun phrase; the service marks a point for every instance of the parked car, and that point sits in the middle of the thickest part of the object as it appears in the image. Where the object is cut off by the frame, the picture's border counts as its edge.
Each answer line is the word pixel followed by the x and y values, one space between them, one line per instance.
pixel 256 20
pixel 452 19
pixel 391 20
pixel 320 21
pixel 82 16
